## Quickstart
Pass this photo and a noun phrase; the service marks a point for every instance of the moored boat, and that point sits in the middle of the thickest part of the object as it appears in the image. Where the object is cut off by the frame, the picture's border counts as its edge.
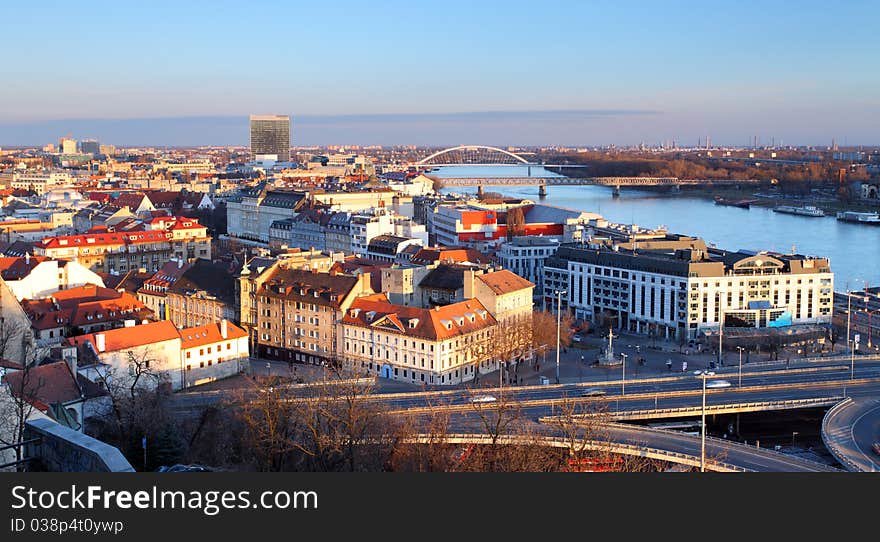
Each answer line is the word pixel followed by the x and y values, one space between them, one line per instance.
pixel 803 210
pixel 859 218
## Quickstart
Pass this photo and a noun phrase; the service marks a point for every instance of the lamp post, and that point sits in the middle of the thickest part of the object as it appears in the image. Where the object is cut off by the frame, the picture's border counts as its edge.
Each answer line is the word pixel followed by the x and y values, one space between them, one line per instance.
pixel 740 348
pixel 715 384
pixel 623 380
pixel 720 336
pixel 558 327
pixel 848 314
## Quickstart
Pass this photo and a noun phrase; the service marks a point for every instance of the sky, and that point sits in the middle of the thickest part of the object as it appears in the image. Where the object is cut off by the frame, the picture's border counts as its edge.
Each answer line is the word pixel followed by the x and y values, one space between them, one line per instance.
pixel 432 73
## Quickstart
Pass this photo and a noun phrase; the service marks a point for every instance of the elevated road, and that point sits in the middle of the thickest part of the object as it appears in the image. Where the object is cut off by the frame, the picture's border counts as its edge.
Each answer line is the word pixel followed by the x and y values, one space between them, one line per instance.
pixel 850 429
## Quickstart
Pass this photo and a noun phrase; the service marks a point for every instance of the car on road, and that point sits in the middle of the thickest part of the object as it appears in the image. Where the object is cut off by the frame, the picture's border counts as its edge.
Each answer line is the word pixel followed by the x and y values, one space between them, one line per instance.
pixel 718 384
pixel 593 392
pixel 483 399
pixel 576 338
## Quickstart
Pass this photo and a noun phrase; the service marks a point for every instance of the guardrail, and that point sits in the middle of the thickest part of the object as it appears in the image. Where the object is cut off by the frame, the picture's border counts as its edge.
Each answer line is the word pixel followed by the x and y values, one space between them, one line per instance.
pixel 830 443
pixel 728 443
pixel 752 406
pixel 591 444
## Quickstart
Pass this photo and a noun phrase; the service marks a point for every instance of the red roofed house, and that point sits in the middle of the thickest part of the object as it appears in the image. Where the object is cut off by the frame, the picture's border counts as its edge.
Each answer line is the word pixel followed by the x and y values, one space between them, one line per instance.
pixel 136 202
pixel 119 252
pixel 84 309
pixel 51 389
pixel 443 345
pixel 34 277
pixel 174 358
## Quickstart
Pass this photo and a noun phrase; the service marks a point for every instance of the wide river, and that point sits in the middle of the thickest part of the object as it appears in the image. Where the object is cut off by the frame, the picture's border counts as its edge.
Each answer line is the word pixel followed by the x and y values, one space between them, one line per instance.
pixel 854 249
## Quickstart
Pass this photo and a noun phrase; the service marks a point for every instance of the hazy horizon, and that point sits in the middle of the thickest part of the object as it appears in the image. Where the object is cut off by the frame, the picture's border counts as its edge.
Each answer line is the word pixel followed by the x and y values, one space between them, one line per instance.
pixel 519 128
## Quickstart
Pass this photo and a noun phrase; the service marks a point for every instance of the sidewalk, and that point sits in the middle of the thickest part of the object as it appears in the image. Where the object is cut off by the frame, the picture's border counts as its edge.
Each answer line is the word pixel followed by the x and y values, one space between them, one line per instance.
pixel 576 363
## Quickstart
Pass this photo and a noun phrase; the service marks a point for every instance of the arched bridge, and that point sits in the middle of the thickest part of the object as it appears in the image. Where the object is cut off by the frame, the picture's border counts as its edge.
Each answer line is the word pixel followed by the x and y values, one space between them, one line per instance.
pixel 473 155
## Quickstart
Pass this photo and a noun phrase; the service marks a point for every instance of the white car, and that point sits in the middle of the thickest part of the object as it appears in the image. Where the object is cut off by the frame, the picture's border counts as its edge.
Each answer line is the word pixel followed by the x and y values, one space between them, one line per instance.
pixel 593 393
pixel 483 399
pixel 718 384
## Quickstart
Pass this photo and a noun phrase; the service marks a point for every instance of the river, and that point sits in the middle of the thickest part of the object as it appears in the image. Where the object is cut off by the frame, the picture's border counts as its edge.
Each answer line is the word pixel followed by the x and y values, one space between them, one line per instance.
pixel 854 250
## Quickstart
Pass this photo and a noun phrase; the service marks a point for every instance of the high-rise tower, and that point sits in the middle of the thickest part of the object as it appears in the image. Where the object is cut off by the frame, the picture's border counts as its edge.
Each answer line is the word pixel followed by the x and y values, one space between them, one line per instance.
pixel 270 136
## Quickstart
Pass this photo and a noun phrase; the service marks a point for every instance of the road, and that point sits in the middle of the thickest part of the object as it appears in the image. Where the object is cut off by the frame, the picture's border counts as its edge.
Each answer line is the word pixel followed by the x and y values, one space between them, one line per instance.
pixel 827 378
pixel 850 429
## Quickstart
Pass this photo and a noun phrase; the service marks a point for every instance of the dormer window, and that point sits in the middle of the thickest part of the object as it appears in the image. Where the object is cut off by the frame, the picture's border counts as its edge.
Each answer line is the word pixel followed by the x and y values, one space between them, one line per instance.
pixel 459 320
pixel 355 312
pixel 371 315
pixel 413 323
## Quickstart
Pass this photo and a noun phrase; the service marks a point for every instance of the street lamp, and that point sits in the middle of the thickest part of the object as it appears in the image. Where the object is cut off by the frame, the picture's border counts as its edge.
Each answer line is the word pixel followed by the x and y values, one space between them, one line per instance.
pixel 558 326
pixel 740 348
pixel 720 336
pixel 715 384
pixel 623 380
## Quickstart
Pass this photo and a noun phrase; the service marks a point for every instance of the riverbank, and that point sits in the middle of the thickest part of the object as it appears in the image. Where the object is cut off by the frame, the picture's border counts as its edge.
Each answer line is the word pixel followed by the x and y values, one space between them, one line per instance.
pixel 824 200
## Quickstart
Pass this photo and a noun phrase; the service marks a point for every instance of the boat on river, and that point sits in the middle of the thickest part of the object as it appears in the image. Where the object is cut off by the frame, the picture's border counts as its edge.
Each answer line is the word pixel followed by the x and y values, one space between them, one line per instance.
pixel 803 210
pixel 741 203
pixel 859 218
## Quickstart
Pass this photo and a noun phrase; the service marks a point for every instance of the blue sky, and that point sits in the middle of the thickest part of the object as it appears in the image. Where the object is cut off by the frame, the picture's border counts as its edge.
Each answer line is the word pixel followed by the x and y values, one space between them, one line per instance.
pixel 399 72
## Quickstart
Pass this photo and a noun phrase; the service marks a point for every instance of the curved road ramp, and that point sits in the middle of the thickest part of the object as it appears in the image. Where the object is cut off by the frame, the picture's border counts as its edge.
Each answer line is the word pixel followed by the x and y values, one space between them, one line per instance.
pixel 721 455
pixel 850 429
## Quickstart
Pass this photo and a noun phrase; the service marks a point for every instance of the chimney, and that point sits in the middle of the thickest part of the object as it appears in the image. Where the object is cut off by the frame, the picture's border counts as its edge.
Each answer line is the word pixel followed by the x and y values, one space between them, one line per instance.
pixel 69 354
pixel 99 342
pixel 468 277
pixel 224 328
pixel 27 258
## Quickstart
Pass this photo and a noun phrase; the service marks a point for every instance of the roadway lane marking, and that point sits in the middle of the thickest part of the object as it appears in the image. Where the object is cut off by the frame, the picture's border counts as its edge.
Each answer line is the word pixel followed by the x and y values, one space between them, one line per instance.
pixel 856 444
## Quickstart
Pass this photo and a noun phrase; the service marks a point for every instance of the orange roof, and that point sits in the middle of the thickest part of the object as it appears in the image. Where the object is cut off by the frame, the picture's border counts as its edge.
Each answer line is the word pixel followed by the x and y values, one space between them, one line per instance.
pixel 129 337
pixel 437 324
pixel 100 239
pixel 45 385
pixel 505 282
pixel 192 337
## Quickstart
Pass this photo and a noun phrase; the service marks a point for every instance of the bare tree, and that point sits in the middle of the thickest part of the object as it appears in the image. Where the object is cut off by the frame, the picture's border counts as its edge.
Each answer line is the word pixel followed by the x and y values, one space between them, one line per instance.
pixel 23 386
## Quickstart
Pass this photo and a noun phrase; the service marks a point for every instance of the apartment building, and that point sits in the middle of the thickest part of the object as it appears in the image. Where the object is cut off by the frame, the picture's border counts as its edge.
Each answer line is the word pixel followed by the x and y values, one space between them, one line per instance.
pixel 444 345
pixel 525 256
pixel 167 356
pixel 679 287
pixel 118 252
pixel 33 277
pixel 298 313
pixel 203 294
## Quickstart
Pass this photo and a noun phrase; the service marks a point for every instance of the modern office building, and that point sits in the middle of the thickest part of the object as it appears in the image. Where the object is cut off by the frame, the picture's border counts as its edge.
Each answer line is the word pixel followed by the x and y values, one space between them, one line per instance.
pixel 678 287
pixel 89 146
pixel 270 136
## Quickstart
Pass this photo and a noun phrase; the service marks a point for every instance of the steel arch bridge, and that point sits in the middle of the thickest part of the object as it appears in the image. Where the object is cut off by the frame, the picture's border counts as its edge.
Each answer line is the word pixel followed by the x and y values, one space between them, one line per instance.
pixel 473 155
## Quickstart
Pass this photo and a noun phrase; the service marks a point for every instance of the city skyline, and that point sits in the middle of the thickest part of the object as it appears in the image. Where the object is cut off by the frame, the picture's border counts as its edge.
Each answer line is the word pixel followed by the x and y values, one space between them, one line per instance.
pixel 502 73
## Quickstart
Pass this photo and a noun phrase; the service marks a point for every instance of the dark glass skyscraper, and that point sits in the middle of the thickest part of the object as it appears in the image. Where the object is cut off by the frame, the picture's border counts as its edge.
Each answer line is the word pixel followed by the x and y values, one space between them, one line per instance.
pixel 270 134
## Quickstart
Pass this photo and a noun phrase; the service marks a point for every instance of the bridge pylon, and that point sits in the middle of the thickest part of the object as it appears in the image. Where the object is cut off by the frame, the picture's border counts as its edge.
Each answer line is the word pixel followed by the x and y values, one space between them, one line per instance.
pixel 542 190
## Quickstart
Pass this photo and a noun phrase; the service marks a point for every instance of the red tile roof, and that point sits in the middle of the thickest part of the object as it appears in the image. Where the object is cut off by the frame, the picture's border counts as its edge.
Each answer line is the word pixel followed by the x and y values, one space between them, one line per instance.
pixel 16 268
pixel 504 282
pixel 130 337
pixel 44 385
pixel 84 305
pixel 437 324
pixel 192 337
pixel 103 239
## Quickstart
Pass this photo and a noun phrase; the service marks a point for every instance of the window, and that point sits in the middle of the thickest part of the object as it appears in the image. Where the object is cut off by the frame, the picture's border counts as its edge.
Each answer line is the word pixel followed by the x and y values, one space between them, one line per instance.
pixel 188 355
